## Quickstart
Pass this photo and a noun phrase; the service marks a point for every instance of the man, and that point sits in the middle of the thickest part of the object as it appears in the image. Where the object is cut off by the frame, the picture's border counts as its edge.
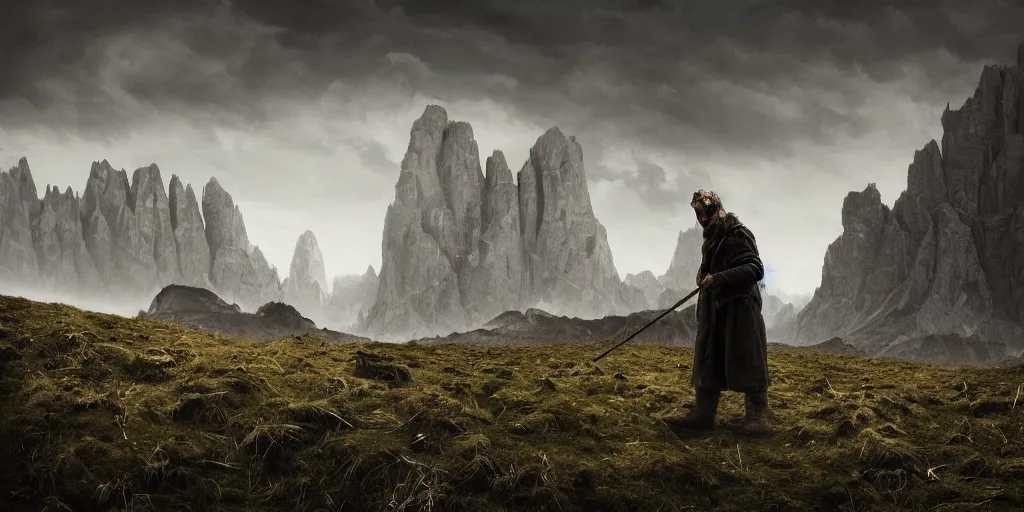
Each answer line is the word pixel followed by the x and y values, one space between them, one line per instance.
pixel 731 348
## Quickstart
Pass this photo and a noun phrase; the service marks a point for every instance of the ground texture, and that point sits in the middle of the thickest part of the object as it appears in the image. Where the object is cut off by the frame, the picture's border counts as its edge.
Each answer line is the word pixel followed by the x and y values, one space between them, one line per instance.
pixel 99 412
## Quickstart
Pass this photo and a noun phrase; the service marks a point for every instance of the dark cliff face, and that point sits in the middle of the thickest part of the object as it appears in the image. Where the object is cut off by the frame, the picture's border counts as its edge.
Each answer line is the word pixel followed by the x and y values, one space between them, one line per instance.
pixel 462 245
pixel 948 258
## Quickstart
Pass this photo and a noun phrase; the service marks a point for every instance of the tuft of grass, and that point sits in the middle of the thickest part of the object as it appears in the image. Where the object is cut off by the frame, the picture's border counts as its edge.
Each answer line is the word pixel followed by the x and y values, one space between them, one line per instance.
pixel 107 413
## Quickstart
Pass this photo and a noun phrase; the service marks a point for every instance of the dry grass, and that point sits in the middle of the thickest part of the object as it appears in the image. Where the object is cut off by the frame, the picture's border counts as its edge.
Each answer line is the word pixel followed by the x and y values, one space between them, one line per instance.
pixel 107 413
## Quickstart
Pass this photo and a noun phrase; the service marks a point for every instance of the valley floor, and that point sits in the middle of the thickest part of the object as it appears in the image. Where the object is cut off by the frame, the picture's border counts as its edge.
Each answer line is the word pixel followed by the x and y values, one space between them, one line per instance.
pixel 100 412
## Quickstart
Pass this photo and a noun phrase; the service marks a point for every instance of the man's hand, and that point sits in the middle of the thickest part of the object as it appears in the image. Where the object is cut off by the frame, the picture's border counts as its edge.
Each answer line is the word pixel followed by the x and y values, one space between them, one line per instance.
pixel 706 280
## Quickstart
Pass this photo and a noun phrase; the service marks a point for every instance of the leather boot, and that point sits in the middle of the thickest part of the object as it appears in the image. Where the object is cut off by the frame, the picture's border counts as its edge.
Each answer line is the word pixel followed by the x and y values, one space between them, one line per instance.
pixel 749 412
pixel 754 422
pixel 702 416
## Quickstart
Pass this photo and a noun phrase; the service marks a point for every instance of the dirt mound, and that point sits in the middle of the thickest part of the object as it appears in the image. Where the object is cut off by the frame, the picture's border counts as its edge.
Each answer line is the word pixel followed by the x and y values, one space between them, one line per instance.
pixel 202 309
pixel 537 327
pixel 284 315
pixel 179 298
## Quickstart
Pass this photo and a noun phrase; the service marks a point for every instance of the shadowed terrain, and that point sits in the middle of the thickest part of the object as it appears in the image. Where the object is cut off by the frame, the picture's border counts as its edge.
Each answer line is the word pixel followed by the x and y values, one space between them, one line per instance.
pixel 202 309
pixel 109 413
pixel 537 327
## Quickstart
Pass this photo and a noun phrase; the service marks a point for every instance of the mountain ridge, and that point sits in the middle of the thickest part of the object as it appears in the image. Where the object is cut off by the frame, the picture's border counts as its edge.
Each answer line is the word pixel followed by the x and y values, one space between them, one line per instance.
pixel 941 270
pixel 125 240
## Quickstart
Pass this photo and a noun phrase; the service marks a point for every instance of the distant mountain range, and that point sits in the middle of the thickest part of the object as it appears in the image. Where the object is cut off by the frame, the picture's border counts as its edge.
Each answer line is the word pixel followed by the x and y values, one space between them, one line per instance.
pixel 463 245
pixel 663 291
pixel 460 246
pixel 121 242
pixel 476 251
pixel 940 275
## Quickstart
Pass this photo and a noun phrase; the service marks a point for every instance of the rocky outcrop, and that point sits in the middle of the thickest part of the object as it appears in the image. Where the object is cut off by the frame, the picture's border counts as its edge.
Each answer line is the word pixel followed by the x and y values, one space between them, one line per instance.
pixel 947 261
pixel 647 283
pixel 668 297
pixel 798 300
pixel 17 202
pixel 534 327
pixel 500 281
pixel 306 284
pixel 64 260
pixel 461 246
pixel 680 278
pixel 771 307
pixel 126 240
pixel 152 211
pixel 780 326
pixel 189 235
pixel 566 249
pixel 238 270
pixel 203 310
pixel 423 247
pixel 122 241
pixel 682 270
pixel 125 259
pixel 350 298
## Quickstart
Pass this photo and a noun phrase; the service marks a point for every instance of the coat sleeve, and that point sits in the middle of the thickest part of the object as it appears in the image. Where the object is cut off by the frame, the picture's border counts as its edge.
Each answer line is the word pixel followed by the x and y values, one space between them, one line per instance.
pixel 745 264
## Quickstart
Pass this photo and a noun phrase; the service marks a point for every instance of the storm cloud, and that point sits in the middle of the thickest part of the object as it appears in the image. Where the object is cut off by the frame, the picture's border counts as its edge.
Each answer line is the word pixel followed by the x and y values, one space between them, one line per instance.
pixel 814 97
pixel 755 74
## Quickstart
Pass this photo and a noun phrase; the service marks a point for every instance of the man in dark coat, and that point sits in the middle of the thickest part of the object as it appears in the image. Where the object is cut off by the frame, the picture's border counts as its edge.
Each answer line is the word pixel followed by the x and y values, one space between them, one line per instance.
pixel 731 348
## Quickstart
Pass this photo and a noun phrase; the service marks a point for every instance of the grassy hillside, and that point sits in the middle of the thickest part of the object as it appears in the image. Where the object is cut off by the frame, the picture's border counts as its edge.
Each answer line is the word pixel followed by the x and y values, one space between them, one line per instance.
pixel 106 413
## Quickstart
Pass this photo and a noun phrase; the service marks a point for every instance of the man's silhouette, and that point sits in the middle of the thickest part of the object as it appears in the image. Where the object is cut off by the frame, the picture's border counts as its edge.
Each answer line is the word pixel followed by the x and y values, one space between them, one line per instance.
pixel 731 348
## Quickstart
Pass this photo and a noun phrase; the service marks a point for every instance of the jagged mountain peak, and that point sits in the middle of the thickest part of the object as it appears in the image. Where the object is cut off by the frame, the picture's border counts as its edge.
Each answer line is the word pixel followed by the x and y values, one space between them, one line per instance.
pixel 944 260
pixel 463 245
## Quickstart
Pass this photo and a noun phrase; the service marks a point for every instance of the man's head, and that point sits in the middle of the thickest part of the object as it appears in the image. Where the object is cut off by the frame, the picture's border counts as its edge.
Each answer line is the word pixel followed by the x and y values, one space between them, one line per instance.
pixel 707 206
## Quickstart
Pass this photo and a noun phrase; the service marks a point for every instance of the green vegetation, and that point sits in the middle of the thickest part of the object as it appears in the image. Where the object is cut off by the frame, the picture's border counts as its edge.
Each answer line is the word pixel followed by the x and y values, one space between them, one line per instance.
pixel 100 412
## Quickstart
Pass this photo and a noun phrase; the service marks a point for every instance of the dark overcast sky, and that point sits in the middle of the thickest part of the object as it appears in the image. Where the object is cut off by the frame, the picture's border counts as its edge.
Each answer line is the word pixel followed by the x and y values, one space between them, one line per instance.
pixel 303 108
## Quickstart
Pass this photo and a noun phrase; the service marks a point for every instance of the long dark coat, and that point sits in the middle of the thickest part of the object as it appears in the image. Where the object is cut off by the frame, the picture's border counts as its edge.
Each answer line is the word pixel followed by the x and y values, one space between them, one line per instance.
pixel 731 348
